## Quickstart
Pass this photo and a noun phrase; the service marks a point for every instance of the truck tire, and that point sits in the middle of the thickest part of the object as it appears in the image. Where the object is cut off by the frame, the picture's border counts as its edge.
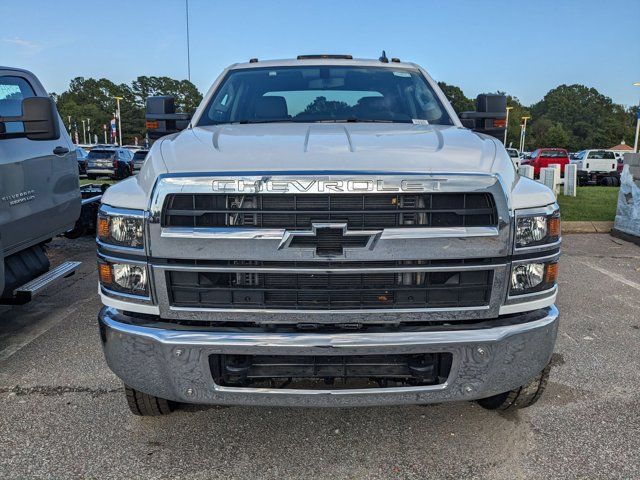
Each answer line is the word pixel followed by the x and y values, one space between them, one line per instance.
pixel 607 182
pixel 147 405
pixel 521 397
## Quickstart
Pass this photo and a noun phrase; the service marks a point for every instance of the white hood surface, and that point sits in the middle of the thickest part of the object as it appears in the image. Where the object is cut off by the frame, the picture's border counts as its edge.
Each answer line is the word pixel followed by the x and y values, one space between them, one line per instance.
pixel 324 147
pixel 319 148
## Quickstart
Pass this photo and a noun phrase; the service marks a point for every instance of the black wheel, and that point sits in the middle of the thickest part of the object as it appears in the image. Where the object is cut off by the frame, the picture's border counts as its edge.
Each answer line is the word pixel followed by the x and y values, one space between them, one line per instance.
pixel 616 181
pixel 607 182
pixel 91 177
pixel 147 405
pixel 521 397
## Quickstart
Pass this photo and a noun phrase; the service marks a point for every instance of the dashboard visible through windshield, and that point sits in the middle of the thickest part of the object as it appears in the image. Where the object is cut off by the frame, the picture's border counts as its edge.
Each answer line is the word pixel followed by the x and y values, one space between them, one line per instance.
pixel 324 94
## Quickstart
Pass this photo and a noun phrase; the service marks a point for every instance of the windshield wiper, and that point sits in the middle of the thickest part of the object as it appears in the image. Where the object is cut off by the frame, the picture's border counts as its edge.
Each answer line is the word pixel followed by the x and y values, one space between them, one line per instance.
pixel 279 120
pixel 361 120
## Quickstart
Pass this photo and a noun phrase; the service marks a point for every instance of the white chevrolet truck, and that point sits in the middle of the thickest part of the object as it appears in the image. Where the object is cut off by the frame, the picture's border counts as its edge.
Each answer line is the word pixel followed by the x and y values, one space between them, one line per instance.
pixel 326 231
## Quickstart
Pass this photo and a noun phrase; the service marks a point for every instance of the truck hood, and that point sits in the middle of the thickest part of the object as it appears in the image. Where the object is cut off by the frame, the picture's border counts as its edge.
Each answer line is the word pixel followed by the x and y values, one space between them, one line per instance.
pixel 324 147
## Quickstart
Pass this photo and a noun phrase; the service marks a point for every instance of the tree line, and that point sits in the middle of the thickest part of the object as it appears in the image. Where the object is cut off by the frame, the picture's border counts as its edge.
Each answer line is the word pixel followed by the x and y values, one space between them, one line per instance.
pixel 574 117
pixel 94 100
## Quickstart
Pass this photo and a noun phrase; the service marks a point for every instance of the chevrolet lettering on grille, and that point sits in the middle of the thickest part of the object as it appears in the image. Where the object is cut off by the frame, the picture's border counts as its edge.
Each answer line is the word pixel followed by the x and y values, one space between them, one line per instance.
pixel 329 239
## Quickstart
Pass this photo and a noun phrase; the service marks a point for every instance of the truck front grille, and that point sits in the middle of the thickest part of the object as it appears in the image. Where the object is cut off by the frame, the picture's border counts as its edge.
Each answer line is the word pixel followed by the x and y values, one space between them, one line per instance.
pixel 300 211
pixel 333 290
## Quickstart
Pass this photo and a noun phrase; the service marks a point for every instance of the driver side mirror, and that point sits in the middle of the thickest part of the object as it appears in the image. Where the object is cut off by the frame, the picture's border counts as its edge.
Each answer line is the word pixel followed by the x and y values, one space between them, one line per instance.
pixel 39 119
pixel 161 117
pixel 490 115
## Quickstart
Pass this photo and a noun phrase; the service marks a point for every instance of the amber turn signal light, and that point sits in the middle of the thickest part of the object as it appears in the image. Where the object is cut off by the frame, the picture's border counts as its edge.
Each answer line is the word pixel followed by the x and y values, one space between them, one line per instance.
pixel 554 227
pixel 152 124
pixel 103 227
pixel 105 273
pixel 551 275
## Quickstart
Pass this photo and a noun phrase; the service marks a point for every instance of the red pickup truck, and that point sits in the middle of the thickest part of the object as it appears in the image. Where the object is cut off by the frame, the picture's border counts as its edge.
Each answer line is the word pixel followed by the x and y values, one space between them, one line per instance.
pixel 543 157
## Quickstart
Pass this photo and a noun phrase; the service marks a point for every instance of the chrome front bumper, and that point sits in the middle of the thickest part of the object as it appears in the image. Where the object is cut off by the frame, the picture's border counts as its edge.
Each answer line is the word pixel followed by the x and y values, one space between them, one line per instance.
pixel 174 364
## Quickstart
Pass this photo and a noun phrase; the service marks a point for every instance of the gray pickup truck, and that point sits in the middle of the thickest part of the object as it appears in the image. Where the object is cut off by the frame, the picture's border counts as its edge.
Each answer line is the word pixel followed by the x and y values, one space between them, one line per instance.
pixel 39 189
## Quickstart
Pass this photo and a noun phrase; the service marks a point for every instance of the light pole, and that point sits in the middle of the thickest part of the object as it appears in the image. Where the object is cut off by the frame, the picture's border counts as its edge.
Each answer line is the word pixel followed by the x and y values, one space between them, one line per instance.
pixel 119 119
pixel 186 6
pixel 70 126
pixel 523 132
pixel 84 133
pixel 506 126
pixel 635 144
pixel 89 129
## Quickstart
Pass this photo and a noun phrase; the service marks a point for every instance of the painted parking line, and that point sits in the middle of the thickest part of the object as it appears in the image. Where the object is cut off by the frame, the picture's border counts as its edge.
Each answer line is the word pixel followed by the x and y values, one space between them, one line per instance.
pixel 612 275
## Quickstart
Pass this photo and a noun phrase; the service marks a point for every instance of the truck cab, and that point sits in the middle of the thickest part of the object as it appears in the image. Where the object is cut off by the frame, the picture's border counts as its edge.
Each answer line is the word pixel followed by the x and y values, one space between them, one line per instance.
pixel 39 188
pixel 543 157
pixel 326 231
pixel 599 167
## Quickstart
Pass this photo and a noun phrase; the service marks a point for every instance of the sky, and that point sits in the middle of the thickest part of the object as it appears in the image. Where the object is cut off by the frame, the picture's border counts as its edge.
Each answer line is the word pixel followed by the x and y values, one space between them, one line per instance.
pixel 524 48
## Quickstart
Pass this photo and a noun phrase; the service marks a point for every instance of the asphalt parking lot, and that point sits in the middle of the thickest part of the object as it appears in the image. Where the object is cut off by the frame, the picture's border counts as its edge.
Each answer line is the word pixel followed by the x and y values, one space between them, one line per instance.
pixel 64 414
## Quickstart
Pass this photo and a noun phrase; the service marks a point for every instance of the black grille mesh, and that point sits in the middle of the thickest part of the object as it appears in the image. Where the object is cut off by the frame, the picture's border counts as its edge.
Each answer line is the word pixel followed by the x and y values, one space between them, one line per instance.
pixel 299 211
pixel 329 290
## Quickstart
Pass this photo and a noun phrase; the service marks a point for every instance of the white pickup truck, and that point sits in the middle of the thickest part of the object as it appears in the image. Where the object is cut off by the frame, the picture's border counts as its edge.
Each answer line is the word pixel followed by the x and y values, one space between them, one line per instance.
pixel 599 167
pixel 326 231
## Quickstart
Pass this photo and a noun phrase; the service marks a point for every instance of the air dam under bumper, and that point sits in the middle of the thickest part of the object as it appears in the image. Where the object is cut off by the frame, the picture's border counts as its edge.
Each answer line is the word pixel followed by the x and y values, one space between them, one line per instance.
pixel 174 364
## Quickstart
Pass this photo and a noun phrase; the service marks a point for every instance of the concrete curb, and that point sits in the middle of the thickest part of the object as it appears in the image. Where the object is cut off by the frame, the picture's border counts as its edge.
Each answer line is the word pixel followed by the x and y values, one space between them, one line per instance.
pixel 586 227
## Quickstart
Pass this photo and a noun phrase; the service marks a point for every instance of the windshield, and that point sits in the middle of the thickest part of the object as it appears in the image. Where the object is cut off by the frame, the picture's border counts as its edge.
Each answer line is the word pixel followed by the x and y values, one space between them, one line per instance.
pixel 554 154
pixel 98 154
pixel 324 94
pixel 601 155
pixel 512 152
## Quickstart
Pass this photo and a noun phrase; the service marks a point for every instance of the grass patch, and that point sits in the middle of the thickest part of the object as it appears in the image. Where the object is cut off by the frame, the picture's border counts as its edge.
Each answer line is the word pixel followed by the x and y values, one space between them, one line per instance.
pixel 590 204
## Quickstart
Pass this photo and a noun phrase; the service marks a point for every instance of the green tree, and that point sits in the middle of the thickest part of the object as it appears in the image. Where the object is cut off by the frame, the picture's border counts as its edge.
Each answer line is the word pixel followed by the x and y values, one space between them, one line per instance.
pixel 322 106
pixel 457 98
pixel 95 100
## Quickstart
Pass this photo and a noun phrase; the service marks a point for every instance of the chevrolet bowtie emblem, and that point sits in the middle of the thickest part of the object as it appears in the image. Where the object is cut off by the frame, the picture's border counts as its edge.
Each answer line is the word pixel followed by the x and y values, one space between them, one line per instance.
pixel 329 239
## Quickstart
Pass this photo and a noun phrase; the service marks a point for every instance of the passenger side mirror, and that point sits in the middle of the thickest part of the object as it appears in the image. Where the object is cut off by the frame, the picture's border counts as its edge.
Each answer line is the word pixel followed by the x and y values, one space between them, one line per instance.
pixel 162 118
pixel 489 117
pixel 39 118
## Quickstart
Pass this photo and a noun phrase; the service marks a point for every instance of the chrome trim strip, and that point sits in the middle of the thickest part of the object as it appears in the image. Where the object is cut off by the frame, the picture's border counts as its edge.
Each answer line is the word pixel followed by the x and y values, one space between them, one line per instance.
pixel 532 212
pixel 527 297
pixel 538 248
pixel 124 296
pixel 112 259
pixel 320 269
pixel 119 248
pixel 125 212
pixel 545 258
pixel 249 233
pixel 302 312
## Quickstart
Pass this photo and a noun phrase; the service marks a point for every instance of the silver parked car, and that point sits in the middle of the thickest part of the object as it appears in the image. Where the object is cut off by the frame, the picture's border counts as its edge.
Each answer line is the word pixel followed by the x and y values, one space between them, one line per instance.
pixel 112 162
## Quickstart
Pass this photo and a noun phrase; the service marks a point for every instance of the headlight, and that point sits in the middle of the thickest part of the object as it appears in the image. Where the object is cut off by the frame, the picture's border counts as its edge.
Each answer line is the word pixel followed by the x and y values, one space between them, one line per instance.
pixel 534 230
pixel 121 230
pixel 533 277
pixel 124 277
